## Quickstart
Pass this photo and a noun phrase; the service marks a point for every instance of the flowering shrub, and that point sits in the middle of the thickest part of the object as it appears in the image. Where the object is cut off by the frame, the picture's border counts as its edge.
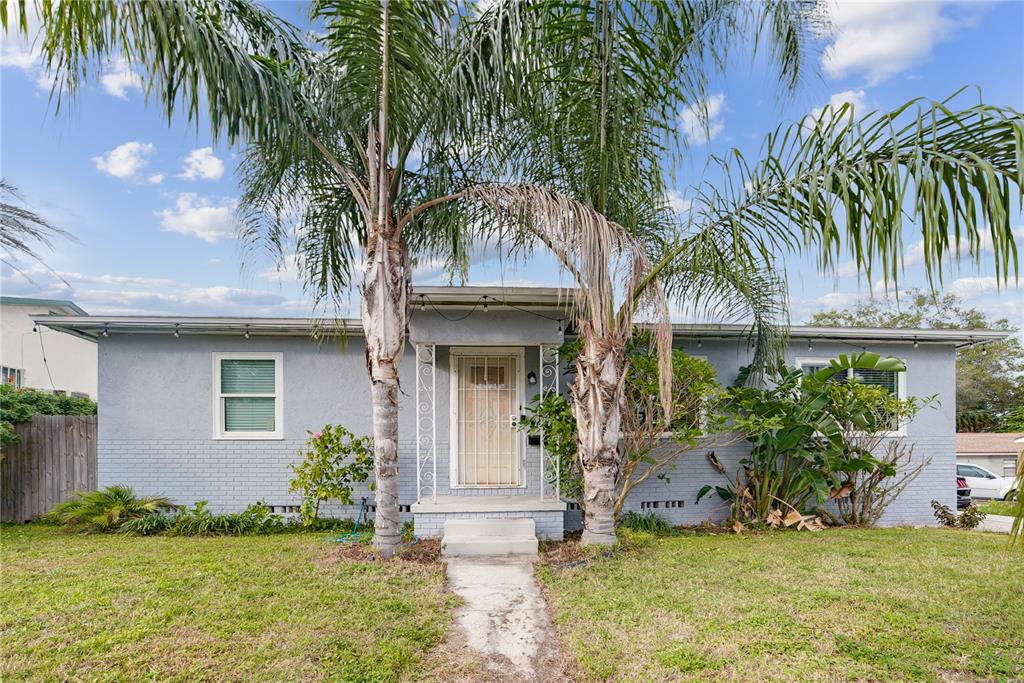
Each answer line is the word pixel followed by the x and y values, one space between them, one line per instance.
pixel 333 461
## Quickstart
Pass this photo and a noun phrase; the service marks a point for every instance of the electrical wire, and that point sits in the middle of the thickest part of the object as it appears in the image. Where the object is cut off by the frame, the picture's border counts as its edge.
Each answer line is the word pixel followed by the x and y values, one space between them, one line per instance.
pixel 46 365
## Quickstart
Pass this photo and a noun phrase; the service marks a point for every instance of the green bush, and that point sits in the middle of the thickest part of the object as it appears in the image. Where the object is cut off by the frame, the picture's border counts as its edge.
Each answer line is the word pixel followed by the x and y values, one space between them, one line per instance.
pixel 199 521
pixel 812 440
pixel 333 461
pixel 19 405
pixel 106 510
pixel 650 523
pixel 970 518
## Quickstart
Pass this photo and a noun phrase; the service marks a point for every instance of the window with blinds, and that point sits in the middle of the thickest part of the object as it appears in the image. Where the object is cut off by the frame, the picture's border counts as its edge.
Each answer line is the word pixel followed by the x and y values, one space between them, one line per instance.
pixel 882 378
pixel 248 395
pixel 887 379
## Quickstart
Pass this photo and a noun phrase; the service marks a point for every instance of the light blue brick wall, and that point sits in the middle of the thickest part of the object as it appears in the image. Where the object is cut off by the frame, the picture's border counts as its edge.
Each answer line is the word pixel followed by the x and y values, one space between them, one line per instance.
pixel 156 423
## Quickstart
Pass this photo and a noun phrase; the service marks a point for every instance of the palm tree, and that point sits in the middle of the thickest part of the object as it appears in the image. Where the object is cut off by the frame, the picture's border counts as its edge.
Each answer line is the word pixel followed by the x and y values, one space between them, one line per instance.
pixel 329 132
pixel 598 113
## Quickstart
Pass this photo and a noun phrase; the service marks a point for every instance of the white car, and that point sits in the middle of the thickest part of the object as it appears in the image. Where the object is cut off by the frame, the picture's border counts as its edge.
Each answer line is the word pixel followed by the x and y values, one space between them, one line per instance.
pixel 984 484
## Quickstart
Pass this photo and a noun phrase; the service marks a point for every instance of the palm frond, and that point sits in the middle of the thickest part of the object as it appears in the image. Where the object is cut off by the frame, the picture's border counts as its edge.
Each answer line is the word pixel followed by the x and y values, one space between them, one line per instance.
pixel 23 231
pixel 604 259
pixel 229 61
pixel 844 183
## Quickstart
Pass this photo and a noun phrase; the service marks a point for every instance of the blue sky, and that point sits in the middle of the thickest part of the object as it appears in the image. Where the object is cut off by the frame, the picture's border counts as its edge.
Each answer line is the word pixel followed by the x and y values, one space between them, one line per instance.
pixel 150 204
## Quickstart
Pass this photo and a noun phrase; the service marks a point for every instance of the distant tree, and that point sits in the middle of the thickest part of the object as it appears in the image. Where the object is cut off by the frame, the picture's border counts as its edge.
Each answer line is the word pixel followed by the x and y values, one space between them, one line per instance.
pixel 989 378
pixel 1014 422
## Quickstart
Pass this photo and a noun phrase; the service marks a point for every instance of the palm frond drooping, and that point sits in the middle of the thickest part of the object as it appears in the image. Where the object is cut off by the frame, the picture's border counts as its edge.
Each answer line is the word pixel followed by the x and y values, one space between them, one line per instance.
pixel 22 231
pixel 229 62
pixel 843 183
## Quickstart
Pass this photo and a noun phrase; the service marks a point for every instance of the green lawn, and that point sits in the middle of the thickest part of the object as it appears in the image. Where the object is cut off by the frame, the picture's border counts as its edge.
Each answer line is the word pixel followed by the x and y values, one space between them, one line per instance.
pixel 893 604
pixel 272 608
pixel 997 507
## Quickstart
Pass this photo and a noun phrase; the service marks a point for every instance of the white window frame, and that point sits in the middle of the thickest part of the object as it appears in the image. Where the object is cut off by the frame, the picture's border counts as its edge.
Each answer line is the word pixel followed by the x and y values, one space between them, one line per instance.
pixel 901 386
pixel 454 353
pixel 218 398
pixel 19 376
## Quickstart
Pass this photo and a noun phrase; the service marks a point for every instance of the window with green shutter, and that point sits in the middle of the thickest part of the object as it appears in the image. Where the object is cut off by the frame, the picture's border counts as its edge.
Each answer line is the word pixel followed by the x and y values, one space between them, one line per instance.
pixel 248 395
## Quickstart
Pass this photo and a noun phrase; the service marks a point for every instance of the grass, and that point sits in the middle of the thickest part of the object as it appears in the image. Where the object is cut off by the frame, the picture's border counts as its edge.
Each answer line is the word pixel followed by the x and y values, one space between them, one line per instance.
pixel 274 608
pixel 997 507
pixel 893 604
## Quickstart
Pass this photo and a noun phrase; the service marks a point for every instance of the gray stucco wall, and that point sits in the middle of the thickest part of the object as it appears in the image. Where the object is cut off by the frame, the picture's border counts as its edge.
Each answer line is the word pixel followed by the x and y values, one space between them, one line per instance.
pixel 156 422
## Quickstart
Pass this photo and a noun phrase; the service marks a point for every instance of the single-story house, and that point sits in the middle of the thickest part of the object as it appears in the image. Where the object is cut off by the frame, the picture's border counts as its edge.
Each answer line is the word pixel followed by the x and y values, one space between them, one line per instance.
pixel 39 358
pixel 995 452
pixel 217 409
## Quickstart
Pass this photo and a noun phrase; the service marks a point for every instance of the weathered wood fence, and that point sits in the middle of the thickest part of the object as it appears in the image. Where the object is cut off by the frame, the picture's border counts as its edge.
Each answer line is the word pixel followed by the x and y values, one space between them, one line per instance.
pixel 56 455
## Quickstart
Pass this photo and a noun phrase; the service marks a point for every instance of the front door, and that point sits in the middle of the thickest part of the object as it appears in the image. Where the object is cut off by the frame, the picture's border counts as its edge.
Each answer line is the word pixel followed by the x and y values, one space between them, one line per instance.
pixel 486 418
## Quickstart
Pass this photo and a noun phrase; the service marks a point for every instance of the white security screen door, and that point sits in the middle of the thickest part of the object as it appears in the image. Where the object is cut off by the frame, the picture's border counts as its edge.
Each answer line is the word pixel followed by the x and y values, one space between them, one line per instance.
pixel 486 419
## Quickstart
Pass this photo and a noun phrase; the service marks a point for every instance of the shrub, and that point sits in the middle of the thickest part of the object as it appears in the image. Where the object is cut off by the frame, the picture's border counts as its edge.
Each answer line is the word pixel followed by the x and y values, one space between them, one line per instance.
pixel 106 510
pixel 970 518
pixel 148 525
pixel 334 460
pixel 650 523
pixel 814 440
pixel 19 405
pixel 199 521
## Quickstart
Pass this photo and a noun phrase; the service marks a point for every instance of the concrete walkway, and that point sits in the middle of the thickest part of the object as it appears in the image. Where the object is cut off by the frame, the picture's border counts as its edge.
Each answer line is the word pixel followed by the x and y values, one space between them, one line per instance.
pixel 998 523
pixel 504 619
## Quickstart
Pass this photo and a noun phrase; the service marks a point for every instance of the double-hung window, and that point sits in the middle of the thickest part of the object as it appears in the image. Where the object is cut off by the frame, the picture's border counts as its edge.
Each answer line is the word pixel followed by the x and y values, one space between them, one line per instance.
pixel 11 376
pixel 893 382
pixel 247 390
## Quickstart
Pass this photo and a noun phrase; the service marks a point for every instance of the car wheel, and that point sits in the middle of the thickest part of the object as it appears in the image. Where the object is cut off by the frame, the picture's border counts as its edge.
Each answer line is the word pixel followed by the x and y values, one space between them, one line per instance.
pixel 1011 496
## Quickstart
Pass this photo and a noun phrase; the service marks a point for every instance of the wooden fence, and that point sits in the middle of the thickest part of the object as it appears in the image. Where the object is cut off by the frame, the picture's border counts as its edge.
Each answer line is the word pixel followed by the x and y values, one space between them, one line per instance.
pixel 56 455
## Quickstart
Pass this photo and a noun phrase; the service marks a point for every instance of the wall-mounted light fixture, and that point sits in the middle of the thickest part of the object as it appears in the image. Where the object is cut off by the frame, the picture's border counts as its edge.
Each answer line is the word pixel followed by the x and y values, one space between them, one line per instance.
pixel 531 378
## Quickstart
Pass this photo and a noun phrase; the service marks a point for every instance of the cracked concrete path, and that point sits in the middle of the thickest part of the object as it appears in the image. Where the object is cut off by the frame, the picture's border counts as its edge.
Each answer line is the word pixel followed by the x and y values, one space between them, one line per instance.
pixel 504 619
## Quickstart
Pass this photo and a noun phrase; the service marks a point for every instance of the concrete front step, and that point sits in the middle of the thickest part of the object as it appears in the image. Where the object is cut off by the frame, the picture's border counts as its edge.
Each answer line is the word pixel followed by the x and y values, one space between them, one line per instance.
pixel 484 536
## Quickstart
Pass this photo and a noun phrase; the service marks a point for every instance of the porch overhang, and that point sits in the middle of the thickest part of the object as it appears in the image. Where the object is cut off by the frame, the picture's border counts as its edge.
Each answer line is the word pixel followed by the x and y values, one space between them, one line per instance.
pixel 487 504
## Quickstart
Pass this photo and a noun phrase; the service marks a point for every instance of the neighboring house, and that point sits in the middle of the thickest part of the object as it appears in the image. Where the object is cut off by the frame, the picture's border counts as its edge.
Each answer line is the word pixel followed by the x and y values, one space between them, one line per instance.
pixel 34 356
pixel 218 408
pixel 997 453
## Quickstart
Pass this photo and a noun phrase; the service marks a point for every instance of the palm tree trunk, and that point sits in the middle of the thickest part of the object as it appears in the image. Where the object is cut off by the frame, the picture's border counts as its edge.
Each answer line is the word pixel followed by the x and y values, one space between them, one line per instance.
pixel 385 293
pixel 598 393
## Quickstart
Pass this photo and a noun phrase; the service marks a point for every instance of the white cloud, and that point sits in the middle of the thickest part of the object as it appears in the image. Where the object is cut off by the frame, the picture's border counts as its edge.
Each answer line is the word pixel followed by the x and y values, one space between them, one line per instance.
pixel 855 98
pixel 202 164
pixel 835 299
pixel 125 161
pixel 702 122
pixel 155 179
pixel 116 280
pixel 973 287
pixel 199 217
pixel 118 77
pixel 22 52
pixel 285 271
pixel 881 39
pixel 677 202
